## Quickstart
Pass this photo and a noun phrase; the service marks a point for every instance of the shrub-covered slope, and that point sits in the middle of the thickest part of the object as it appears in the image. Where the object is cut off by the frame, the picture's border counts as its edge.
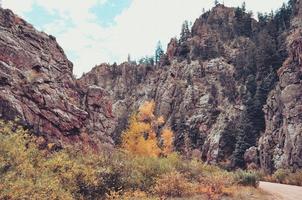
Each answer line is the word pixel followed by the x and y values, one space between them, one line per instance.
pixel 27 172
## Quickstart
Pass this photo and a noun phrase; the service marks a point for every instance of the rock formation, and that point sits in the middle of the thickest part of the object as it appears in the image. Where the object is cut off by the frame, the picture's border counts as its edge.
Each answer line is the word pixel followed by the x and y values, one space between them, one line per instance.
pixel 200 93
pixel 281 144
pixel 37 87
pixel 223 89
pixel 190 96
pixel 214 86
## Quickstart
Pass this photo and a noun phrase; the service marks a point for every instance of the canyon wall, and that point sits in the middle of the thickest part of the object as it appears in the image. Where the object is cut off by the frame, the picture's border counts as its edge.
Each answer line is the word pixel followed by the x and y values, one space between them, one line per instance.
pixel 38 89
pixel 230 89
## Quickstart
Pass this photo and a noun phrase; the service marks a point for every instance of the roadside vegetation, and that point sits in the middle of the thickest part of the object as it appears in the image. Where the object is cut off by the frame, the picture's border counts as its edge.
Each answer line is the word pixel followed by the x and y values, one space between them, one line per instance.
pixel 285 176
pixel 131 172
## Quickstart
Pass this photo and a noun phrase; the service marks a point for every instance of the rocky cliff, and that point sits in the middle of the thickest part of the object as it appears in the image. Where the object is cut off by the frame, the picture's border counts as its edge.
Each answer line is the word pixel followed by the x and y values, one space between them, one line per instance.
pixel 202 85
pixel 37 87
pixel 280 145
pixel 230 88
pixel 192 97
pixel 213 84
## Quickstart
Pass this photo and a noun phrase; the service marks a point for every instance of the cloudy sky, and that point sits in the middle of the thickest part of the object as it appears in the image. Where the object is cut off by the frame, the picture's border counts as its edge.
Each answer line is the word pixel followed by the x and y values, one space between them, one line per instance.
pixel 96 31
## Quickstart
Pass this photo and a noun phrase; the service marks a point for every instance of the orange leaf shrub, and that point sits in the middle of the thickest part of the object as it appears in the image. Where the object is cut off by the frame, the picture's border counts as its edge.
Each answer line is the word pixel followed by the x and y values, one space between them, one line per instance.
pixel 140 138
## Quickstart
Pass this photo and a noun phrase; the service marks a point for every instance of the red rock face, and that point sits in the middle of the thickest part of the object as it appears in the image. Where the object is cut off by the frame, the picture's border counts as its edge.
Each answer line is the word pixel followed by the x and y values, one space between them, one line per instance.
pixel 171 49
pixel 280 145
pixel 37 86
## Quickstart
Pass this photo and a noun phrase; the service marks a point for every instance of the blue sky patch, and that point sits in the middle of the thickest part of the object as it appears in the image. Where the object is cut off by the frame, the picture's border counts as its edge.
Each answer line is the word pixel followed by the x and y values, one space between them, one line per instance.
pixel 108 11
pixel 39 16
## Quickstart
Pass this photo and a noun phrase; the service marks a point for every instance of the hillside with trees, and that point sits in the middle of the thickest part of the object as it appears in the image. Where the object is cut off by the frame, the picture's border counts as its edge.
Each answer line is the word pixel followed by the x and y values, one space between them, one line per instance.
pixel 205 118
pixel 212 86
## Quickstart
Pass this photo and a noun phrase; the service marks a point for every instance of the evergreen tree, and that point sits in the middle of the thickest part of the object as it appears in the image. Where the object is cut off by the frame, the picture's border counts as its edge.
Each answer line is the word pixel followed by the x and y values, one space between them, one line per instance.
pixel 146 61
pixel 243 7
pixel 268 56
pixel 158 52
pixel 263 19
pixel 282 18
pixel 129 58
pixel 243 25
pixel 185 31
pixel 246 134
pixel 291 4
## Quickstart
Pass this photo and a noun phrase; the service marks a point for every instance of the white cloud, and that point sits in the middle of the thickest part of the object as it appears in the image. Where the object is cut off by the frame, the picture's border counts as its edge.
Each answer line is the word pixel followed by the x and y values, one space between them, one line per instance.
pixel 18 6
pixel 136 30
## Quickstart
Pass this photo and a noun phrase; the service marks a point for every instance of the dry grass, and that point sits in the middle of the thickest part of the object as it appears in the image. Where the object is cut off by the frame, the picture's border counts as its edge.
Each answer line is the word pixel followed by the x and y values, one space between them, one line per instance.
pixel 250 193
pixel 174 184
pixel 285 176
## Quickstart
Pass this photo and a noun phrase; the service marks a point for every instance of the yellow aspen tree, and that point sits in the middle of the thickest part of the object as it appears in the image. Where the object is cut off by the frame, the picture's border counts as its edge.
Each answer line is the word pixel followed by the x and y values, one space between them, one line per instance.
pixel 146 111
pixel 167 136
pixel 140 138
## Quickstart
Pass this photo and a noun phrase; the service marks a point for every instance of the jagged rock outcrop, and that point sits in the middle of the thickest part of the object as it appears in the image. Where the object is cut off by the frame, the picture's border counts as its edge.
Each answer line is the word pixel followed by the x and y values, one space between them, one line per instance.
pixel 37 87
pixel 194 98
pixel 281 144
pixel 198 93
pixel 214 87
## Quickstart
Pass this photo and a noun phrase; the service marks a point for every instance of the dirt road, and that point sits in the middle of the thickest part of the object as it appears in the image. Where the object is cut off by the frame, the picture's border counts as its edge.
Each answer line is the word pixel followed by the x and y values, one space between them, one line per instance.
pixel 281 191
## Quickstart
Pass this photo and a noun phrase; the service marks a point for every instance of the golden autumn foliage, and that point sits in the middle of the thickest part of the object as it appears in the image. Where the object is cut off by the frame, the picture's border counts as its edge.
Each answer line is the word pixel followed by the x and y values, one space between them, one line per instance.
pixel 140 138
pixel 146 111
pixel 167 136
pixel 27 172
pixel 160 120
pixel 135 141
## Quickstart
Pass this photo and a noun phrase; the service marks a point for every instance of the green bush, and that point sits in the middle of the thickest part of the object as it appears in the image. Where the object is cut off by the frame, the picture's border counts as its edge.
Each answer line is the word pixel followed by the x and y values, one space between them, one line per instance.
pixel 246 178
pixel 287 177
pixel 280 175
pixel 145 170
